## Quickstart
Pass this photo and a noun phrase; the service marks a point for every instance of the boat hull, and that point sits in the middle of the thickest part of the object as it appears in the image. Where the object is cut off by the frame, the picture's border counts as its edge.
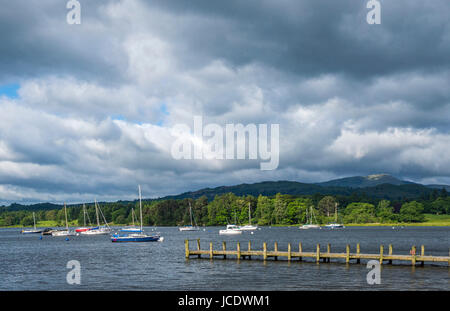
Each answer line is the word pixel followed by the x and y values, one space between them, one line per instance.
pixel 123 239
pixel 334 226
pixel 189 229
pixel 230 232
pixel 248 228
pixel 309 227
pixel 31 231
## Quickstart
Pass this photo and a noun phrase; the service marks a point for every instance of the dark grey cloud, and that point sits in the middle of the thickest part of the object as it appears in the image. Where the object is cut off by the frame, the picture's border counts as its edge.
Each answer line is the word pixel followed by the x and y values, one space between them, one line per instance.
pixel 97 101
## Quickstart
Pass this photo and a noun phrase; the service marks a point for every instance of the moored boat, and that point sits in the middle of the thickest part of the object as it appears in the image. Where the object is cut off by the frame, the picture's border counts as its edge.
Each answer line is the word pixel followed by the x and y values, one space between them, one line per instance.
pixel 99 229
pixel 310 218
pixel 230 230
pixel 65 232
pixel 191 227
pixel 140 236
pixel 34 230
pixel 249 227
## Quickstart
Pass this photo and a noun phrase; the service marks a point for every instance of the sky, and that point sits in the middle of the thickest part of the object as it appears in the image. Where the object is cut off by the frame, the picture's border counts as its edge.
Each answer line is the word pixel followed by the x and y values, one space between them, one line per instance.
pixel 89 110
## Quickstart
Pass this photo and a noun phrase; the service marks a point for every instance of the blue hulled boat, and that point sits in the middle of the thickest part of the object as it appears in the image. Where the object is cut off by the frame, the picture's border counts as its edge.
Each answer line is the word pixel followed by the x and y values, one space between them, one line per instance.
pixel 136 236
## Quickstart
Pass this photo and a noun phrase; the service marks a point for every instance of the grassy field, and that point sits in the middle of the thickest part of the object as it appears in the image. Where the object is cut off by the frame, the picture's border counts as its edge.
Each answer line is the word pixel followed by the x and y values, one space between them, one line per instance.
pixel 431 220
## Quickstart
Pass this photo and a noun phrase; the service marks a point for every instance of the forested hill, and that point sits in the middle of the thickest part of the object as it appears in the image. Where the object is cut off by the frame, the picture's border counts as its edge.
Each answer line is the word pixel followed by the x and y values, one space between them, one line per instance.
pixel 380 188
pixel 269 188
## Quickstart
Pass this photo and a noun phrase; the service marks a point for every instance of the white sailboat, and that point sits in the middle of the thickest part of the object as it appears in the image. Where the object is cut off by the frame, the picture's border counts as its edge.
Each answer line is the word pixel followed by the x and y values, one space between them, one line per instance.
pixel 249 227
pixel 84 228
pixel 335 225
pixel 191 227
pixel 34 230
pixel 131 228
pixel 66 232
pixel 99 229
pixel 310 224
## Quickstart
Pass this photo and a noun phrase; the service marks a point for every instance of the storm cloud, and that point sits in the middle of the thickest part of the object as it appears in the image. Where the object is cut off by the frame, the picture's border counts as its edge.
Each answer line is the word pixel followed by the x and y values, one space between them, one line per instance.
pixel 97 103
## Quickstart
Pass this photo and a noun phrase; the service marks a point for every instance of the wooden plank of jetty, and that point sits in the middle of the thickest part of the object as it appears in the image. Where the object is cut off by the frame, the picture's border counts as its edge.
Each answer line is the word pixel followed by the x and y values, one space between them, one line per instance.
pixel 317 255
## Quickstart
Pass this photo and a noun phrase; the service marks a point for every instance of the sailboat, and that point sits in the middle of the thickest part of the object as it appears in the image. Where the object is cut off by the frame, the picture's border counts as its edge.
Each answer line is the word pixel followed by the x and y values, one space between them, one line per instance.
pixel 138 236
pixel 249 227
pixel 34 230
pixel 63 232
pixel 131 228
pixel 310 224
pixel 191 227
pixel 99 229
pixel 335 225
pixel 84 228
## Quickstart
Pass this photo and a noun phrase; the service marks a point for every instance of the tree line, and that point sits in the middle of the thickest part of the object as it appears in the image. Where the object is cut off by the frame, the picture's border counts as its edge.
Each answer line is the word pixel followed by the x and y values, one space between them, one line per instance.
pixel 229 208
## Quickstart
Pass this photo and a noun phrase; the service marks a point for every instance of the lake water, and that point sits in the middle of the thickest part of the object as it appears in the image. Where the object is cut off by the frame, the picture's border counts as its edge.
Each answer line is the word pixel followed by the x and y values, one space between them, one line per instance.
pixel 30 263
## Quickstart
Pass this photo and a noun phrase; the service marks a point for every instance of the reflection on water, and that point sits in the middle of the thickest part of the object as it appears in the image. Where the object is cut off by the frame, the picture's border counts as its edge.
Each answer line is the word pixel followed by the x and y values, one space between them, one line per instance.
pixel 29 263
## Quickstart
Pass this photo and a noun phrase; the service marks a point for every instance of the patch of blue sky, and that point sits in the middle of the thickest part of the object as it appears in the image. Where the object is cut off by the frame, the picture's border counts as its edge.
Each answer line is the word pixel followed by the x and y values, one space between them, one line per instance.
pixel 9 90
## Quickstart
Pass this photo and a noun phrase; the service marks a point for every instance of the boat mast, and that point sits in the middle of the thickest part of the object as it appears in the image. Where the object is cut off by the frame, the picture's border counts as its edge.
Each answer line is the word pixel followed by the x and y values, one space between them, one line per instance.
pixel 96 212
pixel 249 215
pixel 140 204
pixel 65 212
pixel 84 214
pixel 335 212
pixel 34 221
pixel 190 212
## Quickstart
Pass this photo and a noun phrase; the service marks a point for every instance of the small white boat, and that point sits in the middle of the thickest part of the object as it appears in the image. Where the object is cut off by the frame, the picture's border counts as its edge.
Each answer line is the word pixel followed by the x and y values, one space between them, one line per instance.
pixel 131 228
pixel 335 225
pixel 66 232
pixel 191 227
pixel 310 224
pixel 34 230
pixel 249 227
pixel 231 230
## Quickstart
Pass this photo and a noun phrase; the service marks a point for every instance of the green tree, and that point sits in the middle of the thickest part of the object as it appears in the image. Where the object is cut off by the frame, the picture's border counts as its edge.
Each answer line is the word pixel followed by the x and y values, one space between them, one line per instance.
pixel 327 205
pixel 264 210
pixel 359 213
pixel 412 212
pixel 385 212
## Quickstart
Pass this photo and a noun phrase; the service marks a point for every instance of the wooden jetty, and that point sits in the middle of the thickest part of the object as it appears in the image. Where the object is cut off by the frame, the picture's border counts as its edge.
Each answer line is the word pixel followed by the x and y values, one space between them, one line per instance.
pixel 317 255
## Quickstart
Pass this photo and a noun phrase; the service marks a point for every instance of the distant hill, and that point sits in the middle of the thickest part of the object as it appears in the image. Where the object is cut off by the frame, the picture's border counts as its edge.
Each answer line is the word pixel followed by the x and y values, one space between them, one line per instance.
pixel 364 181
pixel 33 207
pixel 439 187
pixel 269 188
pixel 380 186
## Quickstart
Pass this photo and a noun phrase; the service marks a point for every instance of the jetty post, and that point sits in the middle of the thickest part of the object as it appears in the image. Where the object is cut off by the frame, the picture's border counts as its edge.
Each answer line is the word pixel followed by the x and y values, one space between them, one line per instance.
pixel 390 253
pixel 224 248
pixel 300 251
pixel 318 253
pixel 358 251
pixel 347 253
pixel 381 253
pixel 289 252
pixel 186 248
